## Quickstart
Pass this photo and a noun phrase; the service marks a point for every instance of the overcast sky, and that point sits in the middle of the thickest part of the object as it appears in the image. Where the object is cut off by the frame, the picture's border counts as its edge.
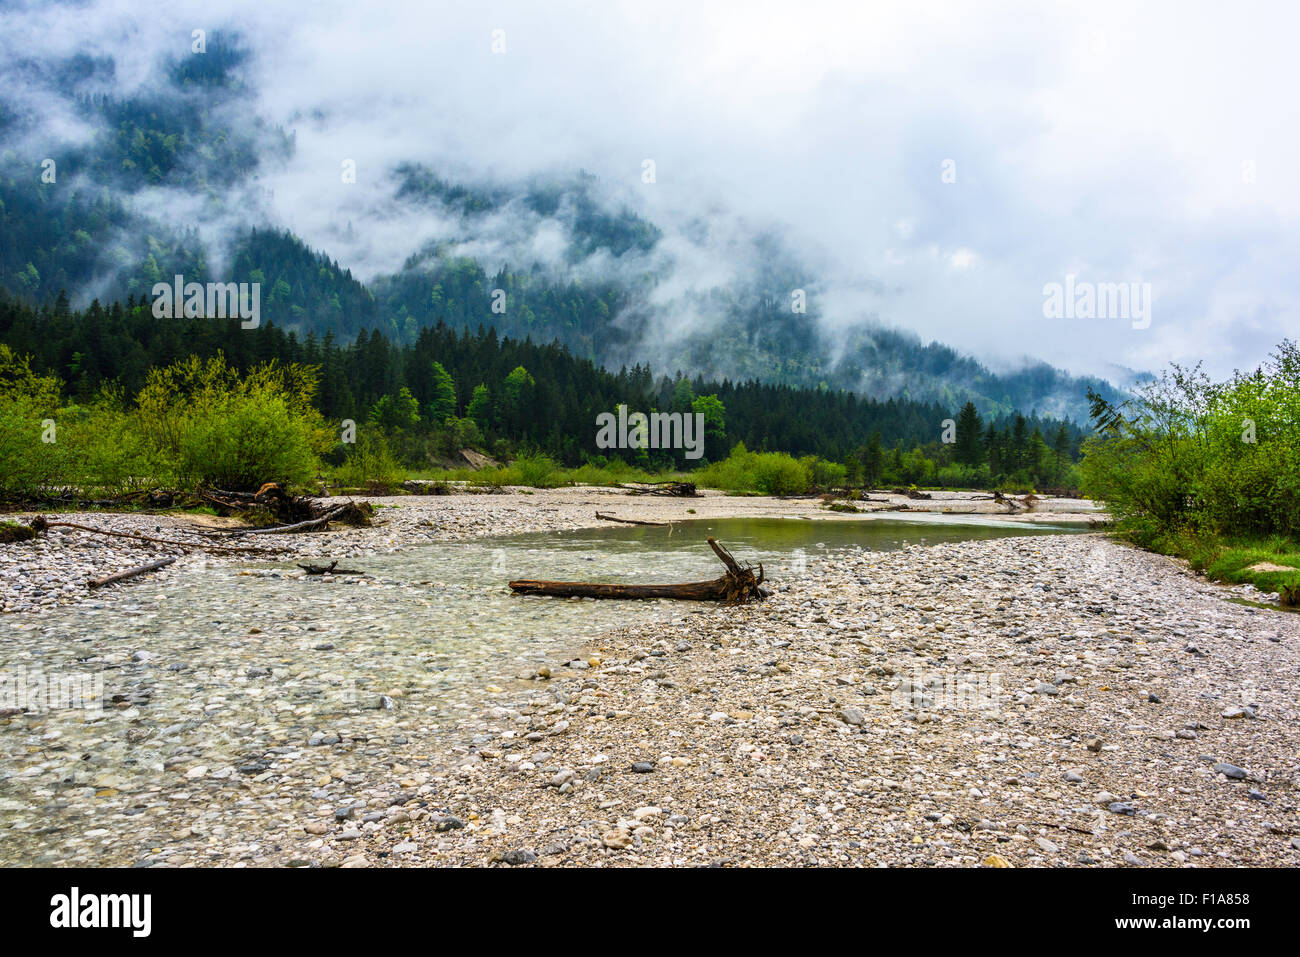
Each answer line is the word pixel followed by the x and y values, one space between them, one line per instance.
pixel 1155 145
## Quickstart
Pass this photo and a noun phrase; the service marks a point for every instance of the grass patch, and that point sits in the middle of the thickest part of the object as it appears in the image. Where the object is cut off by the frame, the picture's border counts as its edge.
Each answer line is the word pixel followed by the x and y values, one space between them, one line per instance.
pixel 1271 564
pixel 15 532
pixel 541 471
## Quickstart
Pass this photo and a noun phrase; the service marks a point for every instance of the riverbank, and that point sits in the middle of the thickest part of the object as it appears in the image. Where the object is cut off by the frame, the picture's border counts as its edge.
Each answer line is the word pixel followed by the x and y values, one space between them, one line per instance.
pixel 1045 701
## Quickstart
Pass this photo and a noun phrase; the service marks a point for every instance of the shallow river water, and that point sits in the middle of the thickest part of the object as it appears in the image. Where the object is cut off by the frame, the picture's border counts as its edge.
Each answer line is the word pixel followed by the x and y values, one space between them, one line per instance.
pixel 228 667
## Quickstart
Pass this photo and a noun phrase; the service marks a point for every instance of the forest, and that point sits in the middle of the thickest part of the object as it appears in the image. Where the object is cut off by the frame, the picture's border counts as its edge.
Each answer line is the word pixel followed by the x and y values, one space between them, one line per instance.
pixel 414 406
pixel 82 227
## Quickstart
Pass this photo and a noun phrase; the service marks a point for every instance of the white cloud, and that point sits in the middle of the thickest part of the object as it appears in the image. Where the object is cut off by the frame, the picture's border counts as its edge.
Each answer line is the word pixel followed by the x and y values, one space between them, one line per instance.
pixel 1101 138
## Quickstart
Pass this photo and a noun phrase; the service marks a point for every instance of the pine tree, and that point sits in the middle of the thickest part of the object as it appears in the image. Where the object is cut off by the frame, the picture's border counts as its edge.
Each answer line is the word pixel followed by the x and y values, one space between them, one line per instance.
pixel 480 407
pixel 443 404
pixel 1061 448
pixel 969 430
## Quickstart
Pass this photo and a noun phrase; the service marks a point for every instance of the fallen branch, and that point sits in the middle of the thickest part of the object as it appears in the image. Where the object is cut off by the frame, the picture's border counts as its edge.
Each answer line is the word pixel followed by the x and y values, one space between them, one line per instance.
pixel 307 526
pixel 289 511
pixel 739 585
pixel 330 569
pixel 677 489
pixel 627 521
pixel 129 573
pixel 40 523
pixel 349 512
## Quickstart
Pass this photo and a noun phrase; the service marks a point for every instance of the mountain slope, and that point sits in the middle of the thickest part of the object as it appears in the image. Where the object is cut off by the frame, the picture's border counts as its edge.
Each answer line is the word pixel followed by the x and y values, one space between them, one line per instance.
pixel 553 258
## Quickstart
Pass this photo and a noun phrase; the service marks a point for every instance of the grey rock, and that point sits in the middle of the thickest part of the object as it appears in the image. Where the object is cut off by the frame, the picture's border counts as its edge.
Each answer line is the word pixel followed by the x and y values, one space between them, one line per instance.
pixel 1230 770
pixel 853 716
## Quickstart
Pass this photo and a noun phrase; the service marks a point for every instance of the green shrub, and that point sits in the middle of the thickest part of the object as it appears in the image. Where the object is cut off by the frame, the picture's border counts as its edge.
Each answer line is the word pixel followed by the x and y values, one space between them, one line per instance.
pixel 242 441
pixel 535 471
pixel 767 473
pixel 29 464
pixel 369 464
pixel 205 424
pixel 824 474
pixel 108 453
pixel 1221 458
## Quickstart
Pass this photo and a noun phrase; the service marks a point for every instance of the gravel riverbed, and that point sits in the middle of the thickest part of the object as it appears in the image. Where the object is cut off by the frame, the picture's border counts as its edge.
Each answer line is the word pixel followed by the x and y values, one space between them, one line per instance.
pixel 1042 701
pixel 54 569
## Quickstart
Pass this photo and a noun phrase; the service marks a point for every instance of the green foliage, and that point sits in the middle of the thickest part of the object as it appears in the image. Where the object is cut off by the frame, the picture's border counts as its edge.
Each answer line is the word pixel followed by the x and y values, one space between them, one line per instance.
pixel 530 470
pixel 715 423
pixel 535 471
pixel 823 474
pixel 369 464
pixel 516 399
pixel 28 402
pixel 15 532
pixel 480 407
pixel 396 413
pixel 596 472
pixel 204 424
pixel 442 405
pixel 764 473
pixel 529 397
pixel 969 449
pixel 1218 457
pixel 108 451
pixel 461 434
pixel 1208 471
pixel 963 476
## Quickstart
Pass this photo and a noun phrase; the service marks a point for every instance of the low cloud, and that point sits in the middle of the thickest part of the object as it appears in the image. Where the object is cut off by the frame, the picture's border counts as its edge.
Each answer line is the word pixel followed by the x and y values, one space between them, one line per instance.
pixel 933 166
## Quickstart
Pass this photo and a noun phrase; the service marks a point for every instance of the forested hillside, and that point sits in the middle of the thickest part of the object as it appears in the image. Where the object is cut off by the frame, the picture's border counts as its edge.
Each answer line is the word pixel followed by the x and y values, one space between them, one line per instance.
pixel 453 388
pixel 99 223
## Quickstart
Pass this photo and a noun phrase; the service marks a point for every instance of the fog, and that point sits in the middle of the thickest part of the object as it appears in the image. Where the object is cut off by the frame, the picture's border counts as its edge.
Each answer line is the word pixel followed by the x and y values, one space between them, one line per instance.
pixel 932 165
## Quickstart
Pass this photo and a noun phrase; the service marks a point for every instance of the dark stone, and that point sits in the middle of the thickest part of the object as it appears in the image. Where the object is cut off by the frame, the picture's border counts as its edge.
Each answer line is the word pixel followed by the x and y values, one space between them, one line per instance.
pixel 1230 770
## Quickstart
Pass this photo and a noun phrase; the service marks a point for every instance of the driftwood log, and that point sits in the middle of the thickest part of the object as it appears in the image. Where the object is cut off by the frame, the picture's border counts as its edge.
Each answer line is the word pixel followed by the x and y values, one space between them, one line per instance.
pixel 40 523
pixel 739 585
pixel 348 512
pixel 129 573
pixel 330 569
pixel 627 521
pixel 292 513
pixel 676 489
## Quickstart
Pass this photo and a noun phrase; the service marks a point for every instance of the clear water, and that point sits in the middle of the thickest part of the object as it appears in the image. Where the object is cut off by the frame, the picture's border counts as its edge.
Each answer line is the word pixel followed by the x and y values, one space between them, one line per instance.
pixel 438 621
pixel 242 659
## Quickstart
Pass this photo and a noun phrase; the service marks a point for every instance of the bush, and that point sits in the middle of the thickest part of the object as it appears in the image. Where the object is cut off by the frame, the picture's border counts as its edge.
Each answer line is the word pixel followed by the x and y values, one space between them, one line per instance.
pixel 535 471
pixel 242 441
pixel 767 473
pixel 107 449
pixel 29 465
pixel 823 474
pixel 204 424
pixel 1224 458
pixel 963 476
pixel 369 464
